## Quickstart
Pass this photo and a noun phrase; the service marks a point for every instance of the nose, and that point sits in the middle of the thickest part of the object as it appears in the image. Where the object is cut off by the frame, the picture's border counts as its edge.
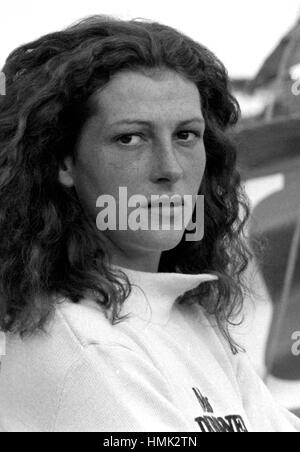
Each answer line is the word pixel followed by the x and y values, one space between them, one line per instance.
pixel 165 165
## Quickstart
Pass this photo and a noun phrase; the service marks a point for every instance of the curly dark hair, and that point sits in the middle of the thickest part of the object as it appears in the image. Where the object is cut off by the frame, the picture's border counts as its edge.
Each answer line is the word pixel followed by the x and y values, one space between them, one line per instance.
pixel 49 247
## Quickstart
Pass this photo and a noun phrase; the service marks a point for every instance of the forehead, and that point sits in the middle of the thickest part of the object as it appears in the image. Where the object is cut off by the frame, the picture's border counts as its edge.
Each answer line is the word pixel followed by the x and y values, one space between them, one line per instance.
pixel 137 95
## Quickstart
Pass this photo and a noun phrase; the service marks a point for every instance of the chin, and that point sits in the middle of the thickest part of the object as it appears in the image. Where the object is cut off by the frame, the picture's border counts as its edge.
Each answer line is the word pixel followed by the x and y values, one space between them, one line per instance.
pixel 149 240
pixel 160 240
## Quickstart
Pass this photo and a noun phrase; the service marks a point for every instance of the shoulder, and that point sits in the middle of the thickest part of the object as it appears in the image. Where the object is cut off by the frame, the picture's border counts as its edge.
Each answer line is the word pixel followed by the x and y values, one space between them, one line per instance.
pixel 88 324
pixel 35 369
pixel 65 339
pixel 62 342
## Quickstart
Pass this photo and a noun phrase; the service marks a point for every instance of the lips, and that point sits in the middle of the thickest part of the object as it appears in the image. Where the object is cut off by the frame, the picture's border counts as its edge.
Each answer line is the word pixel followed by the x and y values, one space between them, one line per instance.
pixel 168 202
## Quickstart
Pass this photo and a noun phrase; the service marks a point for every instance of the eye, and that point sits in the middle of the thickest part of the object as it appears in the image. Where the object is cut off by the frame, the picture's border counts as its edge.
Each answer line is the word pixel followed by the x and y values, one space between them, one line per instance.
pixel 188 135
pixel 129 140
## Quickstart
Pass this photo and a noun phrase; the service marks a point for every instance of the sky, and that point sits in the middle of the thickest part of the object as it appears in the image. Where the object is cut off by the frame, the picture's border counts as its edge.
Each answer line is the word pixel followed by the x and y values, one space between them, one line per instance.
pixel 240 32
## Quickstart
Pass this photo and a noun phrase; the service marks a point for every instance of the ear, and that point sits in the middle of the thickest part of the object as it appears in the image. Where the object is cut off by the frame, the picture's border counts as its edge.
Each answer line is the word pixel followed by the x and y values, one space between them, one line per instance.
pixel 66 173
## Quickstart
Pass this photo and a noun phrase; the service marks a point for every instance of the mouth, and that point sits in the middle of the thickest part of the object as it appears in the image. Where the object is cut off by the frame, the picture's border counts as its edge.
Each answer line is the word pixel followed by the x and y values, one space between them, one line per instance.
pixel 162 205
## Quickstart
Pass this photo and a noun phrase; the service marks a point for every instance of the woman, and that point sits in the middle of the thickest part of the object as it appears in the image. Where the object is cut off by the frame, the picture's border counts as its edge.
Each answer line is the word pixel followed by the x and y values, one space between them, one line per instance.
pixel 122 329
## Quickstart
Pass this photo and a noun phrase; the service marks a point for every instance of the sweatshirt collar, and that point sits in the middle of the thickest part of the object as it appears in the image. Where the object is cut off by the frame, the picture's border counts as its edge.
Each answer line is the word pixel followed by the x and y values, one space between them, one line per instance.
pixel 154 294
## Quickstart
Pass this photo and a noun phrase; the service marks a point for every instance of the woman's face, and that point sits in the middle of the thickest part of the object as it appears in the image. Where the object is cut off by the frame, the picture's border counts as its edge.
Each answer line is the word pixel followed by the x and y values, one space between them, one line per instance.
pixel 147 136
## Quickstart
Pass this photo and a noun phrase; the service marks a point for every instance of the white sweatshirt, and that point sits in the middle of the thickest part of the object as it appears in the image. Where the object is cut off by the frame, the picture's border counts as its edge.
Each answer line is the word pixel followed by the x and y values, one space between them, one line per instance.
pixel 167 372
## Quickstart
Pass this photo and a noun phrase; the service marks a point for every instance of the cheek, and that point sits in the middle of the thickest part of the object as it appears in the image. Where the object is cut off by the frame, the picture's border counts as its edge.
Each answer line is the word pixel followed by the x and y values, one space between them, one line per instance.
pixel 196 169
pixel 130 171
pixel 90 182
pixel 103 176
pixel 95 173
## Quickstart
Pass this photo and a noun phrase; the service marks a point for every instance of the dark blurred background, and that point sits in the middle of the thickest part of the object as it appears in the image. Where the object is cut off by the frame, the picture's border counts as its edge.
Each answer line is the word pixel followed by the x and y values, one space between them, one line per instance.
pixel 268 140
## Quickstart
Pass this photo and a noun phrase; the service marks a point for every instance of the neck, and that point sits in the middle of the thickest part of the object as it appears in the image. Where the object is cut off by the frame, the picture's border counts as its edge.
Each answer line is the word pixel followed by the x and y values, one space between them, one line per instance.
pixel 154 295
pixel 143 261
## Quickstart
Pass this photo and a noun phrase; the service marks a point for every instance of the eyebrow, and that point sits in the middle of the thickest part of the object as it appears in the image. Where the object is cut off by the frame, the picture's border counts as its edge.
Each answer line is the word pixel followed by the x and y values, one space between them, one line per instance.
pixel 147 123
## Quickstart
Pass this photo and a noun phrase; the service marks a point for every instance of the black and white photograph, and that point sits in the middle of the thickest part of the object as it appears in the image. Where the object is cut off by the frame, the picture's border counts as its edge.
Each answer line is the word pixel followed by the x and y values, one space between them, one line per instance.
pixel 150 219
